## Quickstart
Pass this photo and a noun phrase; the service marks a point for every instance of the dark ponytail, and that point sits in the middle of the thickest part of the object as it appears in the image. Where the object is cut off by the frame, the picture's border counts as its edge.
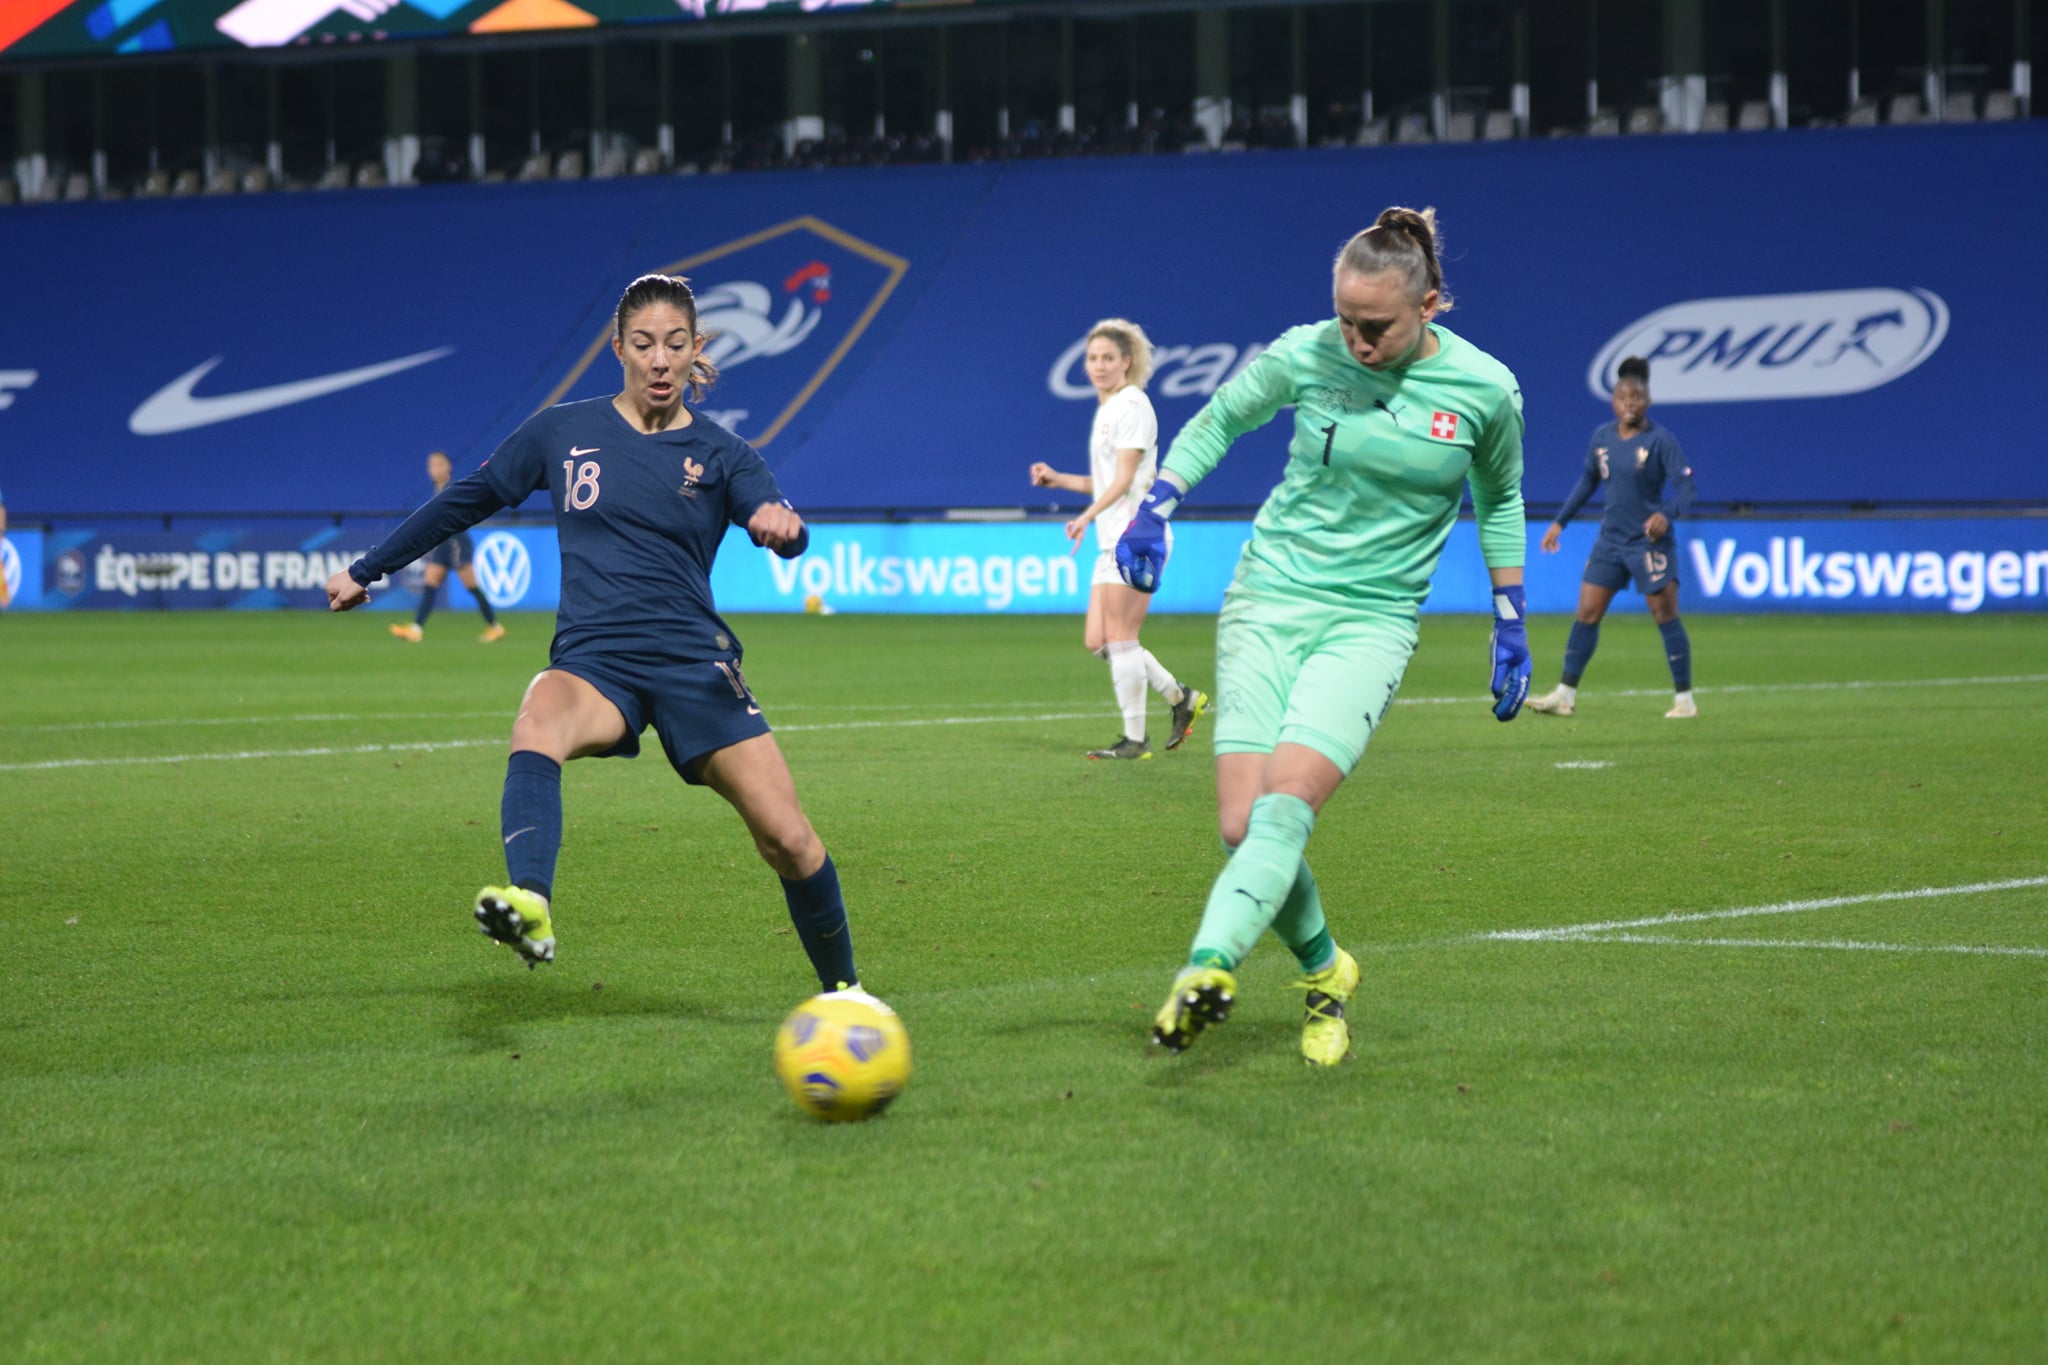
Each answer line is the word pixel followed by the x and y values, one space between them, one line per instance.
pixel 650 290
pixel 1405 240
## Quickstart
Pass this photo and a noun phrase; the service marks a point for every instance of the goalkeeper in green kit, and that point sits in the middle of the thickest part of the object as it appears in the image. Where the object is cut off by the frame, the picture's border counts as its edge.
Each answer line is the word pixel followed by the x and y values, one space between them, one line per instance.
pixel 1393 417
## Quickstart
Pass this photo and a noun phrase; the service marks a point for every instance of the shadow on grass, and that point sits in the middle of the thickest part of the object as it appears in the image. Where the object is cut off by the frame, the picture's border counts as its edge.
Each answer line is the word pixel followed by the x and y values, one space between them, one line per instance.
pixel 490 1009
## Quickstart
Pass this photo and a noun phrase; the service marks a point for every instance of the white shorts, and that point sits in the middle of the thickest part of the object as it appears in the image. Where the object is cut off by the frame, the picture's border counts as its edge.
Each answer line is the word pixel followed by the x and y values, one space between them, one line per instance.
pixel 1105 560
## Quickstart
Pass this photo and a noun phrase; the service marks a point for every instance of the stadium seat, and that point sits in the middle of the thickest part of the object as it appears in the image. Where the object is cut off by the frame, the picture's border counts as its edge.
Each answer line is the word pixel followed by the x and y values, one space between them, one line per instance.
pixel 77 186
pixel 1373 133
pixel 1413 129
pixel 611 165
pixel 535 167
pixel 256 180
pixel 1904 109
pixel 1714 116
pixel 1645 118
pixel 647 161
pixel 1462 126
pixel 1499 125
pixel 569 166
pixel 370 175
pixel 2000 105
pixel 1604 123
pixel 1862 114
pixel 8 191
pixel 1753 117
pixel 184 183
pixel 335 177
pixel 1959 107
pixel 154 185
pixel 222 181
pixel 689 168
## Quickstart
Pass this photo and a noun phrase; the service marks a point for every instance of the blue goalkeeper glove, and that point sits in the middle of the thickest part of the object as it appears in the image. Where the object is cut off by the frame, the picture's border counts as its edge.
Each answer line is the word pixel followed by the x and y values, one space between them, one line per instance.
pixel 1141 550
pixel 1510 652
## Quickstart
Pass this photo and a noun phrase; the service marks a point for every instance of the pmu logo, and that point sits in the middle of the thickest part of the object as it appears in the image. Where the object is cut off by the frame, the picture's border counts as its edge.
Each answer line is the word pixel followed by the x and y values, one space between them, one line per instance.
pixel 784 305
pixel 503 570
pixel 1766 346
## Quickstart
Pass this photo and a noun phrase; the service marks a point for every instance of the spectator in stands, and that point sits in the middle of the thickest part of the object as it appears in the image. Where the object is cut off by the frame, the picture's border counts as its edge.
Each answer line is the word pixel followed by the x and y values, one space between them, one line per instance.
pixel 1634 459
pixel 643 490
pixel 455 553
pixel 1123 458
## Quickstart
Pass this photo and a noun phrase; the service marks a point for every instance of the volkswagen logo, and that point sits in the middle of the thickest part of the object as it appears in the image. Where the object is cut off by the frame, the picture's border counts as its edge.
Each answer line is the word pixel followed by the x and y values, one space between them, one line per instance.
pixel 503 570
pixel 1765 346
pixel 10 565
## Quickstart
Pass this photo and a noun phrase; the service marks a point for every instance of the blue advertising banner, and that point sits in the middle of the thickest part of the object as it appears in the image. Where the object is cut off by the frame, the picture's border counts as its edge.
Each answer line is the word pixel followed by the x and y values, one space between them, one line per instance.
pixel 21 567
pixel 1958 565
pixel 902 339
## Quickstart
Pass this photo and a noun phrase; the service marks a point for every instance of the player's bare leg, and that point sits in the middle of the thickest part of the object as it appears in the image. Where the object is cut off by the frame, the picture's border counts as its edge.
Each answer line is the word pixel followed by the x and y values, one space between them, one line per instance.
pixel 755 780
pixel 561 717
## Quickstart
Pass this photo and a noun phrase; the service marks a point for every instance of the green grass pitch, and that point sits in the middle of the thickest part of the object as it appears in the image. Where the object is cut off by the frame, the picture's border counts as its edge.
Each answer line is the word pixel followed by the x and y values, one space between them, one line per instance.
pixel 265 1094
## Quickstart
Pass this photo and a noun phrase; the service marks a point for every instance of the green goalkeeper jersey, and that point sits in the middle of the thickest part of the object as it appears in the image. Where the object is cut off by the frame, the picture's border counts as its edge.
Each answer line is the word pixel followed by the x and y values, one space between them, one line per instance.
pixel 1377 466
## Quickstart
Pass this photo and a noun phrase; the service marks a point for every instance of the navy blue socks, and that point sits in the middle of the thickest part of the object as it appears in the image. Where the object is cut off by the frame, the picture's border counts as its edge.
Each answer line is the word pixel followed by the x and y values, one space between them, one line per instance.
pixel 530 818
pixel 1678 650
pixel 819 913
pixel 1578 651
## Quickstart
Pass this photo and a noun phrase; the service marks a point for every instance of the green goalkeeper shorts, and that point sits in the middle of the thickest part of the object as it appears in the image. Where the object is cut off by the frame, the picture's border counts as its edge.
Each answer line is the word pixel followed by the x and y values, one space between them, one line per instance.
pixel 1307 673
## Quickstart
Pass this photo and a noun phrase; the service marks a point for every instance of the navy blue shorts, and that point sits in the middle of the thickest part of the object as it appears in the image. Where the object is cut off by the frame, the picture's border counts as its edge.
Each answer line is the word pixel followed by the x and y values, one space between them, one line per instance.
pixel 1651 565
pixel 696 708
pixel 453 553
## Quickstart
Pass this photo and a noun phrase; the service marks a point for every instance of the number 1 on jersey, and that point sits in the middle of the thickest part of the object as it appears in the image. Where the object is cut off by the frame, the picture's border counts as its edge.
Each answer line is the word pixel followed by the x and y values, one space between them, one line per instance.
pixel 1329 437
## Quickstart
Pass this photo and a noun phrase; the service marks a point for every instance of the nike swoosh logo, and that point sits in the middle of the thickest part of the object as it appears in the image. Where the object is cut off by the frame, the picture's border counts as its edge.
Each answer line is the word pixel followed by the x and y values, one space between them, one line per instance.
pixel 174 407
pixel 517 832
pixel 584 450
pixel 753 710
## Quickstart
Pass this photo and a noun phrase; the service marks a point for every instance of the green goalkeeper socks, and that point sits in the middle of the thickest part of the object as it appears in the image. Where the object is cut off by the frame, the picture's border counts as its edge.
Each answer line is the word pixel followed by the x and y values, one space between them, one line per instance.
pixel 1259 883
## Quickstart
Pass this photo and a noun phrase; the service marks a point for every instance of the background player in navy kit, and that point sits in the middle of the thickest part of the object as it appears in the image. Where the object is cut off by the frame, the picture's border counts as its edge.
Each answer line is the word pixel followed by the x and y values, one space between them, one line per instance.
pixel 453 553
pixel 643 490
pixel 1634 458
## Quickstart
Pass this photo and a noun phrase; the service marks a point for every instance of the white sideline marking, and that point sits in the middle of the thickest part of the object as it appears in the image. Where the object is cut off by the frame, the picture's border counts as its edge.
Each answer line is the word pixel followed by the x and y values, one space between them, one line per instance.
pixel 1983 949
pixel 1616 931
pixel 330 751
pixel 328 719
pixel 1584 763
pixel 1576 931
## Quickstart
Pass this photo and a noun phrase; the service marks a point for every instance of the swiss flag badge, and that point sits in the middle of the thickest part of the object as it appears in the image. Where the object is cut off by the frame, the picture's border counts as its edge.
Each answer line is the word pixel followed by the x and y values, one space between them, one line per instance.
pixel 1444 425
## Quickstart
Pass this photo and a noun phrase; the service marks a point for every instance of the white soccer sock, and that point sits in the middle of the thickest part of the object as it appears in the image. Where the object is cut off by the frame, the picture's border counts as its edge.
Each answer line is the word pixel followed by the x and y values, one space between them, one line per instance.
pixel 1163 682
pixel 1127 675
pixel 1568 692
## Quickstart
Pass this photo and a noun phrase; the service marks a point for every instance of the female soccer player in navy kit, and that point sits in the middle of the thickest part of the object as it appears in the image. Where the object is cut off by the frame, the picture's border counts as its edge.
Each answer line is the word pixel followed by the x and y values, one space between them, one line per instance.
pixel 1634 458
pixel 643 490
pixel 455 553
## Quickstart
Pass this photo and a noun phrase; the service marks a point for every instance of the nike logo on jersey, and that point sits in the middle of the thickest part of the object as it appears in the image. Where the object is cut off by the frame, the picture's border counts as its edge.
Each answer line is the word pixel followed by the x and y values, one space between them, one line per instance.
pixel 753 710
pixel 174 407
pixel 574 451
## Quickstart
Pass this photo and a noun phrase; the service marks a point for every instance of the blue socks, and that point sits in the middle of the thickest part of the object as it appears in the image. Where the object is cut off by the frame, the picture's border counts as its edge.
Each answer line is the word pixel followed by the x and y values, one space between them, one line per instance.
pixel 1678 650
pixel 818 911
pixel 428 597
pixel 1578 652
pixel 530 819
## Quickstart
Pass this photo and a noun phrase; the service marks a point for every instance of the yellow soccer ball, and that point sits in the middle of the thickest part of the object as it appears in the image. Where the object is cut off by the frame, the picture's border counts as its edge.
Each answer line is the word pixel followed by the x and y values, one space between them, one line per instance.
pixel 842 1056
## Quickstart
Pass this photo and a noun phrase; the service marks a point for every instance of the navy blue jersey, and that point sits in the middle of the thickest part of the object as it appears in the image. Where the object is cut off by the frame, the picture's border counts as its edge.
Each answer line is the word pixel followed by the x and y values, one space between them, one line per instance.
pixel 1633 471
pixel 639 519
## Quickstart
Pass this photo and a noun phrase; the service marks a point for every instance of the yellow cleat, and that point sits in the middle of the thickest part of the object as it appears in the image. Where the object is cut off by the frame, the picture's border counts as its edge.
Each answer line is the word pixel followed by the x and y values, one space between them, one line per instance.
pixel 1193 702
pixel 495 633
pixel 1325 1033
pixel 1201 996
pixel 408 630
pixel 517 918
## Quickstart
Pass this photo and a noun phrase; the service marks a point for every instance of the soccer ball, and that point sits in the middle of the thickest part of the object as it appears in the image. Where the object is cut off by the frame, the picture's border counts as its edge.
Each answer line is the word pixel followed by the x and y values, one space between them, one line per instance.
pixel 842 1056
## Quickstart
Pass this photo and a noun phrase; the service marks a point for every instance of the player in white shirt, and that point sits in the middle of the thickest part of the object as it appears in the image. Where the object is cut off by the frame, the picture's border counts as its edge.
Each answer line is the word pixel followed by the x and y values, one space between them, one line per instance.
pixel 1123 459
